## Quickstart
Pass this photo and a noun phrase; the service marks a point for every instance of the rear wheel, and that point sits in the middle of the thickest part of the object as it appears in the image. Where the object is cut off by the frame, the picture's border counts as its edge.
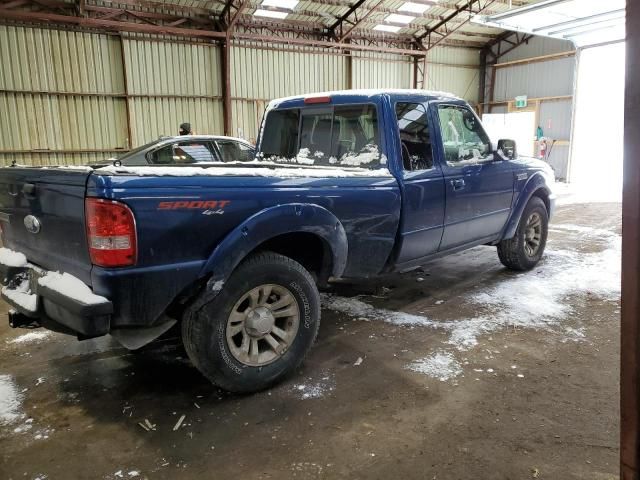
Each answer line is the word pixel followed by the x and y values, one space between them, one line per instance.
pixel 258 328
pixel 525 249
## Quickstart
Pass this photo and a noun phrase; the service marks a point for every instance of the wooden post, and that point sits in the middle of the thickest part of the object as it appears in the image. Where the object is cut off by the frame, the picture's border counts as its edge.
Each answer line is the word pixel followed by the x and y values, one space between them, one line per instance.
pixel 630 322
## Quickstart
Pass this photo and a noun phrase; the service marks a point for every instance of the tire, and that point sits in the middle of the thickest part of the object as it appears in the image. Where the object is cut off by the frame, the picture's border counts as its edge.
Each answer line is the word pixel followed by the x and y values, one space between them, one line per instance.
pixel 219 335
pixel 517 253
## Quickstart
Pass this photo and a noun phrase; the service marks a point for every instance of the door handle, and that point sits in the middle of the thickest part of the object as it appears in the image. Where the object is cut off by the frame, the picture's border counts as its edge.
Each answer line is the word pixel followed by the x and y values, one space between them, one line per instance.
pixel 457 184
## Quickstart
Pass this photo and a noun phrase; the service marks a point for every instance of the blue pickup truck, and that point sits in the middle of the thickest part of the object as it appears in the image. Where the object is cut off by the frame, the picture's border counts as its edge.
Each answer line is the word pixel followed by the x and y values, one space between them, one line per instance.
pixel 352 184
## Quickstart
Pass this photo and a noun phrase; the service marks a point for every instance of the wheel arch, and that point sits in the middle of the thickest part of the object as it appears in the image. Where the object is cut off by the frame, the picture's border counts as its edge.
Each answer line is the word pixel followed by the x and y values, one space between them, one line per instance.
pixel 300 231
pixel 535 187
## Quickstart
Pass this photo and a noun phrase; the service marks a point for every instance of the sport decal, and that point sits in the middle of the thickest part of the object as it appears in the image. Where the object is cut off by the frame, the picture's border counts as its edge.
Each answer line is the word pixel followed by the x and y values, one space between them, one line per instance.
pixel 208 207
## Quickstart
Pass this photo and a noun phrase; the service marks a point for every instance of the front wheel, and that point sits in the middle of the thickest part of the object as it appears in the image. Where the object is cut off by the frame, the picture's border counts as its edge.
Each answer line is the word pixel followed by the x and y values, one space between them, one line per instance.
pixel 525 249
pixel 258 328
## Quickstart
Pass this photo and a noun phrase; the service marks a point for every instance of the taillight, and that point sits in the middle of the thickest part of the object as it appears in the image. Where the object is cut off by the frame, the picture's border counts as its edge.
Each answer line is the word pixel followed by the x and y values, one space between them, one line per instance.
pixel 111 233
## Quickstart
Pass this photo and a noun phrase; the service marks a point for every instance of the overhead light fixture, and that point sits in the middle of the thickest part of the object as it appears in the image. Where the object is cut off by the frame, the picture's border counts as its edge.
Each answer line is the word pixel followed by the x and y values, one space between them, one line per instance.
pixel 387 28
pixel 269 13
pixel 419 8
pixel 288 4
pixel 396 18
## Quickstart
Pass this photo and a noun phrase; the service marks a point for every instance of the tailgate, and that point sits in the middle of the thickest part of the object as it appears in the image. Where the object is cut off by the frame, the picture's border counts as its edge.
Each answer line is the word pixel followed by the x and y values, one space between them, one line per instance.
pixel 42 216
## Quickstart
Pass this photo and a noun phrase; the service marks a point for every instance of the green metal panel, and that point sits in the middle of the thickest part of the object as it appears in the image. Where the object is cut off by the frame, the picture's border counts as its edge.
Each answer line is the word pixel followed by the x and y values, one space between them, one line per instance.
pixel 276 72
pixel 61 122
pixel 388 71
pixel 154 117
pixel 260 75
pixel 34 59
pixel 171 83
pixel 164 68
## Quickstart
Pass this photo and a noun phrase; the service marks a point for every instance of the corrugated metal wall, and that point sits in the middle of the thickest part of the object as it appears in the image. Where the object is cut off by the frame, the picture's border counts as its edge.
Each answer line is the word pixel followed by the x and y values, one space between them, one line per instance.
pixel 388 71
pixel 258 76
pixel 541 79
pixel 536 47
pixel 60 91
pixel 171 83
pixel 454 70
pixel 72 97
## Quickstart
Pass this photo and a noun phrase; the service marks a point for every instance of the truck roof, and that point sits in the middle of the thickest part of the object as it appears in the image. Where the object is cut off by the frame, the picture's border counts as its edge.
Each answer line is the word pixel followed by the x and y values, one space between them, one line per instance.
pixel 368 93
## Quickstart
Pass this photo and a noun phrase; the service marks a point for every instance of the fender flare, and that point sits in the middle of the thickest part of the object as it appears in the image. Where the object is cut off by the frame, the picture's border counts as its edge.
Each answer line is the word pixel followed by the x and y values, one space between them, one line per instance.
pixel 270 223
pixel 535 183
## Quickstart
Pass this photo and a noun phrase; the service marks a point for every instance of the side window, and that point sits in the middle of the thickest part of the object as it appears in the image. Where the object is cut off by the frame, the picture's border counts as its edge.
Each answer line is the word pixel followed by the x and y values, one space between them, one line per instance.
pixel 231 151
pixel 415 141
pixel 280 135
pixel 464 140
pixel 183 153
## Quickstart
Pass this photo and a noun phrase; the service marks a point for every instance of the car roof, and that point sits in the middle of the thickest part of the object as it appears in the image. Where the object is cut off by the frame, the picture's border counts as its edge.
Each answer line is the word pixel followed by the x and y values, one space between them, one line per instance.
pixel 369 93
pixel 173 138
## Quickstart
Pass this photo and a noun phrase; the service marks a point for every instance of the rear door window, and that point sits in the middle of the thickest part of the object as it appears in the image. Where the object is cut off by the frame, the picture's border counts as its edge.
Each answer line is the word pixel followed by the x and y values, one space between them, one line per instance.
pixel 415 141
pixel 232 151
pixel 183 153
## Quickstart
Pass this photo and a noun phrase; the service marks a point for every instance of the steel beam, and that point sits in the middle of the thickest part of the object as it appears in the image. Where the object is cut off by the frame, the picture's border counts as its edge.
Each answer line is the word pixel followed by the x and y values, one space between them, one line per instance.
pixel 472 7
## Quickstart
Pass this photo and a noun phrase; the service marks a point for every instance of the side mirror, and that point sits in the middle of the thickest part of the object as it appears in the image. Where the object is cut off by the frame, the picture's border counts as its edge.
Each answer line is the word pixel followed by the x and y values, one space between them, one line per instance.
pixel 507 148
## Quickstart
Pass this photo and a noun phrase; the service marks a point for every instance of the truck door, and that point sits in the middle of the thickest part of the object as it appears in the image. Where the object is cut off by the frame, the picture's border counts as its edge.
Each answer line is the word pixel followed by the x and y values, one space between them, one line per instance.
pixel 423 185
pixel 479 187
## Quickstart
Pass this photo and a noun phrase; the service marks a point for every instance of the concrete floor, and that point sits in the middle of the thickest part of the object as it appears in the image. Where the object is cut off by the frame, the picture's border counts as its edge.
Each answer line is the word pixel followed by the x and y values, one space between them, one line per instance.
pixel 514 377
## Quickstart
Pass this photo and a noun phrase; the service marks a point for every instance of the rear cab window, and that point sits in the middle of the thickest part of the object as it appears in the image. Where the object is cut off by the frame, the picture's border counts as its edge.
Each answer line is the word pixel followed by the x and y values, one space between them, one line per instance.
pixel 329 136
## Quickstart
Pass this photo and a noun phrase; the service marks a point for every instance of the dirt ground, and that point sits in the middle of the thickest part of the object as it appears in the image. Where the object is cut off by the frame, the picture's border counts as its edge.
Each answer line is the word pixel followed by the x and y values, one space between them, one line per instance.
pixel 499 381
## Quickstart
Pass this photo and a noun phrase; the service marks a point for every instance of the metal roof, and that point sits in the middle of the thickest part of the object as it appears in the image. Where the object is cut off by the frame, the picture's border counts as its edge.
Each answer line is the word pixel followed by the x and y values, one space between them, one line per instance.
pixel 406 25
pixel 584 22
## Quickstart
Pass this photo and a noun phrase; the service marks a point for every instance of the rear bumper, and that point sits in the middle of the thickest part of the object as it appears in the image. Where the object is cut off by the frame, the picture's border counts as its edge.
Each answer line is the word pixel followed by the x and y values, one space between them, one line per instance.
pixel 22 291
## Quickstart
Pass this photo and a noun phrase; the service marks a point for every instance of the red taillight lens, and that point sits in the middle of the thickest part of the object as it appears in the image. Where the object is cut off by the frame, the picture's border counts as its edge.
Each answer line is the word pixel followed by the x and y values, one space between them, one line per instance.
pixel 111 233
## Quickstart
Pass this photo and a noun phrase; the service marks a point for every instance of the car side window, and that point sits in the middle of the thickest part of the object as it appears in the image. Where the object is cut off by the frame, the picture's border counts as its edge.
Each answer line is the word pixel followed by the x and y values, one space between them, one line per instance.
pixel 415 141
pixel 464 140
pixel 183 153
pixel 232 151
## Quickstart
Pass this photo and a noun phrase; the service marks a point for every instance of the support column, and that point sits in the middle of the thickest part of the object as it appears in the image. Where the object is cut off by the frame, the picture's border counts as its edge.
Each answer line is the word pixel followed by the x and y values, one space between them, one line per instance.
pixel 483 79
pixel 127 107
pixel 226 84
pixel 630 323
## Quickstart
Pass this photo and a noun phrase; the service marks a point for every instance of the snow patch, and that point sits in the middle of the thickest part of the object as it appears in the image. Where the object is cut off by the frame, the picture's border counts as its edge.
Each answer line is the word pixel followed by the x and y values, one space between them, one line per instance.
pixel 21 295
pixel 440 365
pixel 32 337
pixel 71 287
pixel 11 258
pixel 10 401
pixel 217 286
pixel 282 172
pixel 364 311
pixel 534 300
pixel 314 388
